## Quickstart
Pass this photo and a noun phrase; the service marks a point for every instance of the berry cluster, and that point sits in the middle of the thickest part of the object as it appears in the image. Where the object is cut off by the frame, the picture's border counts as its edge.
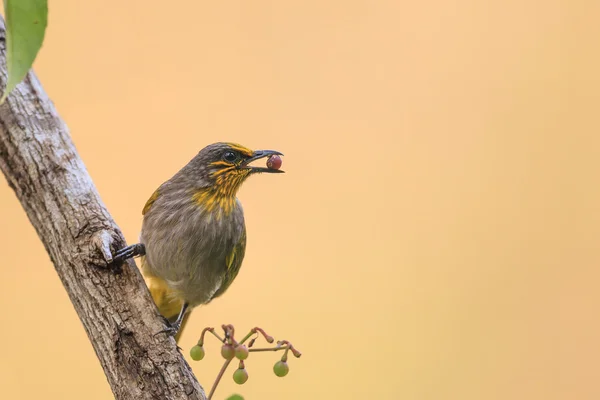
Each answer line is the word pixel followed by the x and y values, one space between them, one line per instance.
pixel 233 349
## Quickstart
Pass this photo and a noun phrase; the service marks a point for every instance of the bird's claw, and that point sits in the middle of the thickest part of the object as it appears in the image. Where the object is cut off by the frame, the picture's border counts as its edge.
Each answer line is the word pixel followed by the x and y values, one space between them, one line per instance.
pixel 170 330
pixel 125 253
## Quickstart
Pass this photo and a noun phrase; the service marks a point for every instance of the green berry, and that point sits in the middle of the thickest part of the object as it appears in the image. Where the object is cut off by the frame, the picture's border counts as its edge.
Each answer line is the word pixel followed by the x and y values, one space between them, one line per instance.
pixel 197 353
pixel 281 368
pixel 240 376
pixel 241 352
pixel 228 352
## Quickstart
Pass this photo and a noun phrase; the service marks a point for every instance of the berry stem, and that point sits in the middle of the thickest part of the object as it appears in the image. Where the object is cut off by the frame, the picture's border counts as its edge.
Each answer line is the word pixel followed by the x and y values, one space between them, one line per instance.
pixel 211 330
pixel 247 336
pixel 296 353
pixel 277 348
pixel 255 330
pixel 218 378
pixel 285 353
pixel 268 338
pixel 267 349
pixel 229 332
pixel 288 347
pixel 217 335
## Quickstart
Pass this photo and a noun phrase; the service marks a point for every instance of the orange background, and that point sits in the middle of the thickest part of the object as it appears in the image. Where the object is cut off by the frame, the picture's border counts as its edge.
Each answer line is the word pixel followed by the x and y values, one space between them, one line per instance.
pixel 435 236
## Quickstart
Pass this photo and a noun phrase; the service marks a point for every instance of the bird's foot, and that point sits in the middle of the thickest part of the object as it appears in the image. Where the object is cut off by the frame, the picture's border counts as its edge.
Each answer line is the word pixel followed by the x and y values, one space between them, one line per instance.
pixel 173 327
pixel 170 330
pixel 125 253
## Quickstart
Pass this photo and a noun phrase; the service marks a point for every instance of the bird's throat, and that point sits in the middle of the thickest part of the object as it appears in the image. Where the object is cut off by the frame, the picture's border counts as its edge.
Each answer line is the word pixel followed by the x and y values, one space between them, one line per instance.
pixel 220 197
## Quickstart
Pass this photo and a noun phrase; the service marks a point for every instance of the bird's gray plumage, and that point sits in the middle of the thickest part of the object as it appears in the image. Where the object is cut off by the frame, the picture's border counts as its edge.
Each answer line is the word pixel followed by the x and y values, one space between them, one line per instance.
pixel 188 245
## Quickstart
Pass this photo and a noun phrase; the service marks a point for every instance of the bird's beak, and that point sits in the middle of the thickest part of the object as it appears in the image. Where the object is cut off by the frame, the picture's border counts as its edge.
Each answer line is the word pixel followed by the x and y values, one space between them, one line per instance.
pixel 258 154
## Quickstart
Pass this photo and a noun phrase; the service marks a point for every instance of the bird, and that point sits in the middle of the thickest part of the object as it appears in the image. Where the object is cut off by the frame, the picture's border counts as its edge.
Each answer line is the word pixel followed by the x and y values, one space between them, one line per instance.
pixel 193 236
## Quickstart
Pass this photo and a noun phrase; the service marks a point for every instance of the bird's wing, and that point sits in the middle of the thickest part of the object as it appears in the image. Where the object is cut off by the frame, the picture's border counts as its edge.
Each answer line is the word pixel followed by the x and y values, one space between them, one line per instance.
pixel 234 262
pixel 151 201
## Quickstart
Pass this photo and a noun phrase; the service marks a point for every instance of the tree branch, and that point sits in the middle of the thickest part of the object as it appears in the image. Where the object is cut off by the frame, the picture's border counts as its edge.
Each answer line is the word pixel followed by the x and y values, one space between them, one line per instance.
pixel 43 168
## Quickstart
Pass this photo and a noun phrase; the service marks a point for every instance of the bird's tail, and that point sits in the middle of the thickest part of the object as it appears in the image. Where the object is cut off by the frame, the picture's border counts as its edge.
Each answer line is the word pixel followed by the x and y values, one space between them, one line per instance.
pixel 169 305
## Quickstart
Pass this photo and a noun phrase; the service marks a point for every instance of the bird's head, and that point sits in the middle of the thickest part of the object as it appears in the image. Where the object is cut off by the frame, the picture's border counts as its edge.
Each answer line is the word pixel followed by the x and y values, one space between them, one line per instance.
pixel 223 167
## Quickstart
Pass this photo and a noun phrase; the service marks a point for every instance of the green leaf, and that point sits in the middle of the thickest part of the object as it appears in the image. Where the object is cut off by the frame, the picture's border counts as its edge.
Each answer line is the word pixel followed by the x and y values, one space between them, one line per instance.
pixel 26 22
pixel 235 397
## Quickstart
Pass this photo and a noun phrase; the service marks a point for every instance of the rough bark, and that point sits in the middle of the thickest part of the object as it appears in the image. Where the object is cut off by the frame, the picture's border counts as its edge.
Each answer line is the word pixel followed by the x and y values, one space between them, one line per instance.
pixel 42 166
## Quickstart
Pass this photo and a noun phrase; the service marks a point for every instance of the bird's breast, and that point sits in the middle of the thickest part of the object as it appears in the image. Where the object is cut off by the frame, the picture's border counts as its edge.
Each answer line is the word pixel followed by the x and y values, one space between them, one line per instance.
pixel 188 245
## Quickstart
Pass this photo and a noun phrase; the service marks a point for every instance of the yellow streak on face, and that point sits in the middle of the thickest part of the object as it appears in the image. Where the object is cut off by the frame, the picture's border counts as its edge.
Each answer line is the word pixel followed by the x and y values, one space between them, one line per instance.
pixel 222 170
pixel 244 150
pixel 221 163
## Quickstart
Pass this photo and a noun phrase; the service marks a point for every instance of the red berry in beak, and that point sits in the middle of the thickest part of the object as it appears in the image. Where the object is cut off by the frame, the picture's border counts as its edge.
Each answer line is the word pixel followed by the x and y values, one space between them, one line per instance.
pixel 274 162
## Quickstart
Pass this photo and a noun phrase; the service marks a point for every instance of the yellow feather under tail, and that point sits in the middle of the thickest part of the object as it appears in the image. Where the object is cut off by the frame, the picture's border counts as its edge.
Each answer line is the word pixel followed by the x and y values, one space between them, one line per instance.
pixel 169 305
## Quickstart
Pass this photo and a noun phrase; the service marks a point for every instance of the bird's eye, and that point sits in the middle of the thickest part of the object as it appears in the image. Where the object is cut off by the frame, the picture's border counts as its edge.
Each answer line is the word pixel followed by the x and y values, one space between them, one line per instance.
pixel 230 156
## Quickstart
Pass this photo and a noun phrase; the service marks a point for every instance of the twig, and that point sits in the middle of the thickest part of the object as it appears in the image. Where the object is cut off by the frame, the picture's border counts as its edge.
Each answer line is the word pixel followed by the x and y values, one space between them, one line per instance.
pixel 218 379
